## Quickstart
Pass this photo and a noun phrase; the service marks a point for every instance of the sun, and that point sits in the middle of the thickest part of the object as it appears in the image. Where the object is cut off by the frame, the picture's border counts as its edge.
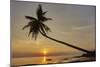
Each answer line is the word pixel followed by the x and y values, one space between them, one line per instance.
pixel 44 51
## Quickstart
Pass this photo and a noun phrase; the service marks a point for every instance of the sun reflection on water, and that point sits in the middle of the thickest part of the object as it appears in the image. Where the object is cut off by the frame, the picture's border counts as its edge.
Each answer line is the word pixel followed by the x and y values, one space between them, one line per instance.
pixel 44 54
pixel 44 59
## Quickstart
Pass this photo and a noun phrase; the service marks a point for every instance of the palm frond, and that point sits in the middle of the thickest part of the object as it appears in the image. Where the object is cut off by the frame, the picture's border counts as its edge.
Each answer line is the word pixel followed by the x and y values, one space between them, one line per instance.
pixel 42 29
pixel 30 31
pixel 44 12
pixel 30 18
pixel 34 30
pixel 49 18
pixel 41 14
pixel 45 28
pixel 27 25
pixel 39 11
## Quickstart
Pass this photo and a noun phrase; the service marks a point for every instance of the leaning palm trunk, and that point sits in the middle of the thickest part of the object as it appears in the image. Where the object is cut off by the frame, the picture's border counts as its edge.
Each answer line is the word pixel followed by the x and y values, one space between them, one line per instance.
pixel 78 48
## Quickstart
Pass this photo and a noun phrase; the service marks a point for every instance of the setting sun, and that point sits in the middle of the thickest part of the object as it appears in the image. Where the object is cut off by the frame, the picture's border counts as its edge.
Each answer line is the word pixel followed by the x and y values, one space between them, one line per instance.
pixel 45 51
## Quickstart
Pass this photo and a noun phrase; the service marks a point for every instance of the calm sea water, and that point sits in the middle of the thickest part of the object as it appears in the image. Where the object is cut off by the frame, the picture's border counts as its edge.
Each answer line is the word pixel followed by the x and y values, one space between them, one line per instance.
pixel 45 59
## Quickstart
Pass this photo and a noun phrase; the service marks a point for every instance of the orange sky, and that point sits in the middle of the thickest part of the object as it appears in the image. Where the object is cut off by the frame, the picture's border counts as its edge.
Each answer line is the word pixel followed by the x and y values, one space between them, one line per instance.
pixel 74 24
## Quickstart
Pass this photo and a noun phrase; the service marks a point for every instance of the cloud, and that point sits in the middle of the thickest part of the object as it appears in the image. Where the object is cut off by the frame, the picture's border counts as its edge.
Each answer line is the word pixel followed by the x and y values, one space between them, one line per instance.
pixel 83 27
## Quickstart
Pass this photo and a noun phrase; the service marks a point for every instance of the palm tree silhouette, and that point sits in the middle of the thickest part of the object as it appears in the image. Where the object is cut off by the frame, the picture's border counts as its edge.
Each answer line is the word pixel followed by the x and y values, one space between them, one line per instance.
pixel 37 26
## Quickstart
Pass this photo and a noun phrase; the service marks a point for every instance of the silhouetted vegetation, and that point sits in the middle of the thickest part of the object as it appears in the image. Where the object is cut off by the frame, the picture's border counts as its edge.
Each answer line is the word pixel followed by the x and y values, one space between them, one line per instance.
pixel 36 26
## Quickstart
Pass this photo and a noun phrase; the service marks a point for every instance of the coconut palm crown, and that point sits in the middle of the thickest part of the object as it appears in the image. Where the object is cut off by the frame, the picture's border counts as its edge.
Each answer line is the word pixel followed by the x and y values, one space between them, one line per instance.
pixel 36 25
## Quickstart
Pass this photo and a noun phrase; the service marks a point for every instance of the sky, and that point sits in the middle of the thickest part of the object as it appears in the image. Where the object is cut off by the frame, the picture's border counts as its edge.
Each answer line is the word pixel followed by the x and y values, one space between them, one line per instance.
pixel 73 24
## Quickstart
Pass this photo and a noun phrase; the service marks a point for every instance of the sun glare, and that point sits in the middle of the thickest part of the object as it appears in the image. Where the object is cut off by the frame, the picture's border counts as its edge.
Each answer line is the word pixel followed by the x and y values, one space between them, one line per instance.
pixel 45 51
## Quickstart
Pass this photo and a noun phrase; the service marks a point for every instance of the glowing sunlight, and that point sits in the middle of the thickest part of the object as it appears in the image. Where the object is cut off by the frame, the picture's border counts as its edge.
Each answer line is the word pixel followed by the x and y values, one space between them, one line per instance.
pixel 45 51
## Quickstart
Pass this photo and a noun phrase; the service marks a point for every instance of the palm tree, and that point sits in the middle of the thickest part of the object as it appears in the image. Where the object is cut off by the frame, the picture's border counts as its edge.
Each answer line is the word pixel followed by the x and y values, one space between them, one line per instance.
pixel 37 26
